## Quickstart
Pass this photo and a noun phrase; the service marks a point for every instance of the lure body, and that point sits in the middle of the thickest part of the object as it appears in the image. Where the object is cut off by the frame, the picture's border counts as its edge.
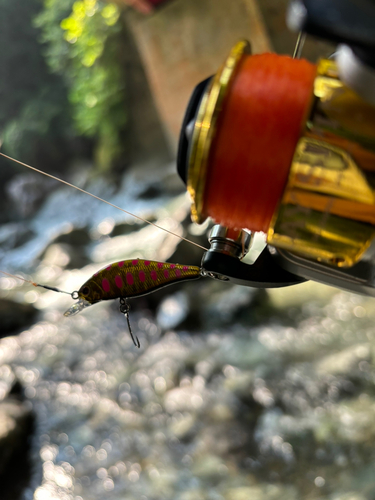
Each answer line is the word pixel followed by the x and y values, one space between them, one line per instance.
pixel 130 278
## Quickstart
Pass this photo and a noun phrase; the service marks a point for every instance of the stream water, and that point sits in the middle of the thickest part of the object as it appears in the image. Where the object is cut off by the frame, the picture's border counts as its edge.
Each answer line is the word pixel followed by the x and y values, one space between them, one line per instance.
pixel 235 394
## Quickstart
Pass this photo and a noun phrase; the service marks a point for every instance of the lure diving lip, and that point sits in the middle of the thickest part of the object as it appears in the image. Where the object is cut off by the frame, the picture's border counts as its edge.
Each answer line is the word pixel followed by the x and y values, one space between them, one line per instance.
pixel 77 307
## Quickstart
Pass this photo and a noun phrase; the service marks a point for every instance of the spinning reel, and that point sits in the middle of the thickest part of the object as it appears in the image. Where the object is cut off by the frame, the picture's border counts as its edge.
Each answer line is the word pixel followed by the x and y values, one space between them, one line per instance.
pixel 278 145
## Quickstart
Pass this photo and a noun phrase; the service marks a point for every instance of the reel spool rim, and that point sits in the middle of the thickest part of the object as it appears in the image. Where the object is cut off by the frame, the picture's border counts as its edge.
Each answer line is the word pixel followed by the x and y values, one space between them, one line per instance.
pixel 205 127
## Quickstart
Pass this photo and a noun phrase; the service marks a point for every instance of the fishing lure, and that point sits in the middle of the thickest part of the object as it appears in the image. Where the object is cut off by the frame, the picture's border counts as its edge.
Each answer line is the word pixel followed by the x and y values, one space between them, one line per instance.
pixel 124 279
pixel 129 278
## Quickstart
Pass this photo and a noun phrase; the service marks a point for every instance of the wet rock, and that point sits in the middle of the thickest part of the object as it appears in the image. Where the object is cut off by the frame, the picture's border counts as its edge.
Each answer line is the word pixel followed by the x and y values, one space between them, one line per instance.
pixel 303 294
pixel 349 422
pixel 26 191
pixel 221 412
pixel 172 183
pixel 8 382
pixel 68 249
pixel 224 411
pixel 238 382
pixel 210 467
pixel 346 361
pixel 349 495
pixel 150 192
pixel 173 310
pixel 14 235
pixel 16 422
pixel 224 302
pixel 14 316
pixel 14 426
pixel 183 428
pixel 264 492
pixel 74 237
pixel 64 255
pixel 243 353
pixel 184 399
pixel 127 228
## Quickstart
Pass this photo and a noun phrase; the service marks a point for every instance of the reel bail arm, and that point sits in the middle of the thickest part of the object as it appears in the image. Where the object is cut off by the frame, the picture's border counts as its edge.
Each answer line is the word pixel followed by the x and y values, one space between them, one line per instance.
pixel 223 261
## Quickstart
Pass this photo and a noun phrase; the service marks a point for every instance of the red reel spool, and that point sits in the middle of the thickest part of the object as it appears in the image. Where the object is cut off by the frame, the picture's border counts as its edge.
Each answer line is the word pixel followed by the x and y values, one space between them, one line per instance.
pixel 262 117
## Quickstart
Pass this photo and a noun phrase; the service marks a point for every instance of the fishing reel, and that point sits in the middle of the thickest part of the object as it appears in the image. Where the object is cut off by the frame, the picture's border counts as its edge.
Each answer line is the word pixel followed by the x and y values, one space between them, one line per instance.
pixel 281 146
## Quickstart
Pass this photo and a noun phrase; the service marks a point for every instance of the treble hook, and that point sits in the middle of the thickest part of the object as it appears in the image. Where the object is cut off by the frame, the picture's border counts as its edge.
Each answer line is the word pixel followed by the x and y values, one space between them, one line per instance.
pixel 124 309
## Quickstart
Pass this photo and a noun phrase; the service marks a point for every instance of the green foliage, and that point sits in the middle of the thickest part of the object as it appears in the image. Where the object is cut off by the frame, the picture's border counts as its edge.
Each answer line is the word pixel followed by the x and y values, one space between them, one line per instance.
pixel 70 86
pixel 35 121
pixel 83 43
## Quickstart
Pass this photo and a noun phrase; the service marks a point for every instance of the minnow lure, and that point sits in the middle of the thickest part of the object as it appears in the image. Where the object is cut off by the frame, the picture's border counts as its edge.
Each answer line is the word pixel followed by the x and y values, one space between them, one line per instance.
pixel 129 278
pixel 122 280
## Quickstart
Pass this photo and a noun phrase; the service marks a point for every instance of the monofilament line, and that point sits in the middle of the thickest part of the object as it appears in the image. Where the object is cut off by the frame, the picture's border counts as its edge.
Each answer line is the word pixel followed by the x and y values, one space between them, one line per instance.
pixel 19 278
pixel 299 45
pixel 47 287
pixel 102 200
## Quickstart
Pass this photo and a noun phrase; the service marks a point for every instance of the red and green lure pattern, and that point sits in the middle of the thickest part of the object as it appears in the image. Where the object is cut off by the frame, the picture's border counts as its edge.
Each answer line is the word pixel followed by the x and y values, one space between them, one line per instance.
pixel 130 278
pixel 122 280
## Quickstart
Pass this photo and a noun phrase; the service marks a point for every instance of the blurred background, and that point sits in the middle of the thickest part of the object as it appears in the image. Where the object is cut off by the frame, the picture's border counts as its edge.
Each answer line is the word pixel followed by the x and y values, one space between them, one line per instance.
pixel 235 393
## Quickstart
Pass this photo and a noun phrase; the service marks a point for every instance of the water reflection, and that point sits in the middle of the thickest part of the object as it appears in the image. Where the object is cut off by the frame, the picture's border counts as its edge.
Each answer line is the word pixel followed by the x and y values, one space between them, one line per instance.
pixel 179 417
pixel 279 410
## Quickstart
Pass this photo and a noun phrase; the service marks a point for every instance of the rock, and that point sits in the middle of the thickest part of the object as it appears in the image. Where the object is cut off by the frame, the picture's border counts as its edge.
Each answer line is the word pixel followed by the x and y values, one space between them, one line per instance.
pixel 8 382
pixel 67 249
pixel 348 422
pixel 221 412
pixel 173 310
pixel 122 229
pixel 349 495
pixel 13 235
pixel 244 353
pixel 263 492
pixel 16 422
pixel 183 428
pixel 74 237
pixel 346 361
pixel 65 255
pixel 298 295
pixel 27 192
pixel 185 399
pixel 224 303
pixel 14 316
pixel 209 467
pixel 151 192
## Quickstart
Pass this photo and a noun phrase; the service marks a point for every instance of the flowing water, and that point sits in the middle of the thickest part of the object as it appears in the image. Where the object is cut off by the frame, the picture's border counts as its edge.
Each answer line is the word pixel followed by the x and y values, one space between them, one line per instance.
pixel 234 393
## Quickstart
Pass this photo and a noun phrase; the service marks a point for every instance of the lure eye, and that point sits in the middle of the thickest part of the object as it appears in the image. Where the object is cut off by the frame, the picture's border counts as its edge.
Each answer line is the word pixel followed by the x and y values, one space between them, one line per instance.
pixel 85 290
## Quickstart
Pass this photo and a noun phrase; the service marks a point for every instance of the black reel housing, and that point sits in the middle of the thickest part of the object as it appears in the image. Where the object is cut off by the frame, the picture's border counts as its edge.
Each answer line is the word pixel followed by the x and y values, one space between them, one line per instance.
pixel 185 133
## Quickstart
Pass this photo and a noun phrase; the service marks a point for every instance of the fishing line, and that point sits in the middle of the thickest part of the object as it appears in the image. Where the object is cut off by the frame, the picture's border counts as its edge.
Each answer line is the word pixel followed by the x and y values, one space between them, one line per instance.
pixel 269 99
pixel 102 200
pixel 52 288
pixel 299 45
